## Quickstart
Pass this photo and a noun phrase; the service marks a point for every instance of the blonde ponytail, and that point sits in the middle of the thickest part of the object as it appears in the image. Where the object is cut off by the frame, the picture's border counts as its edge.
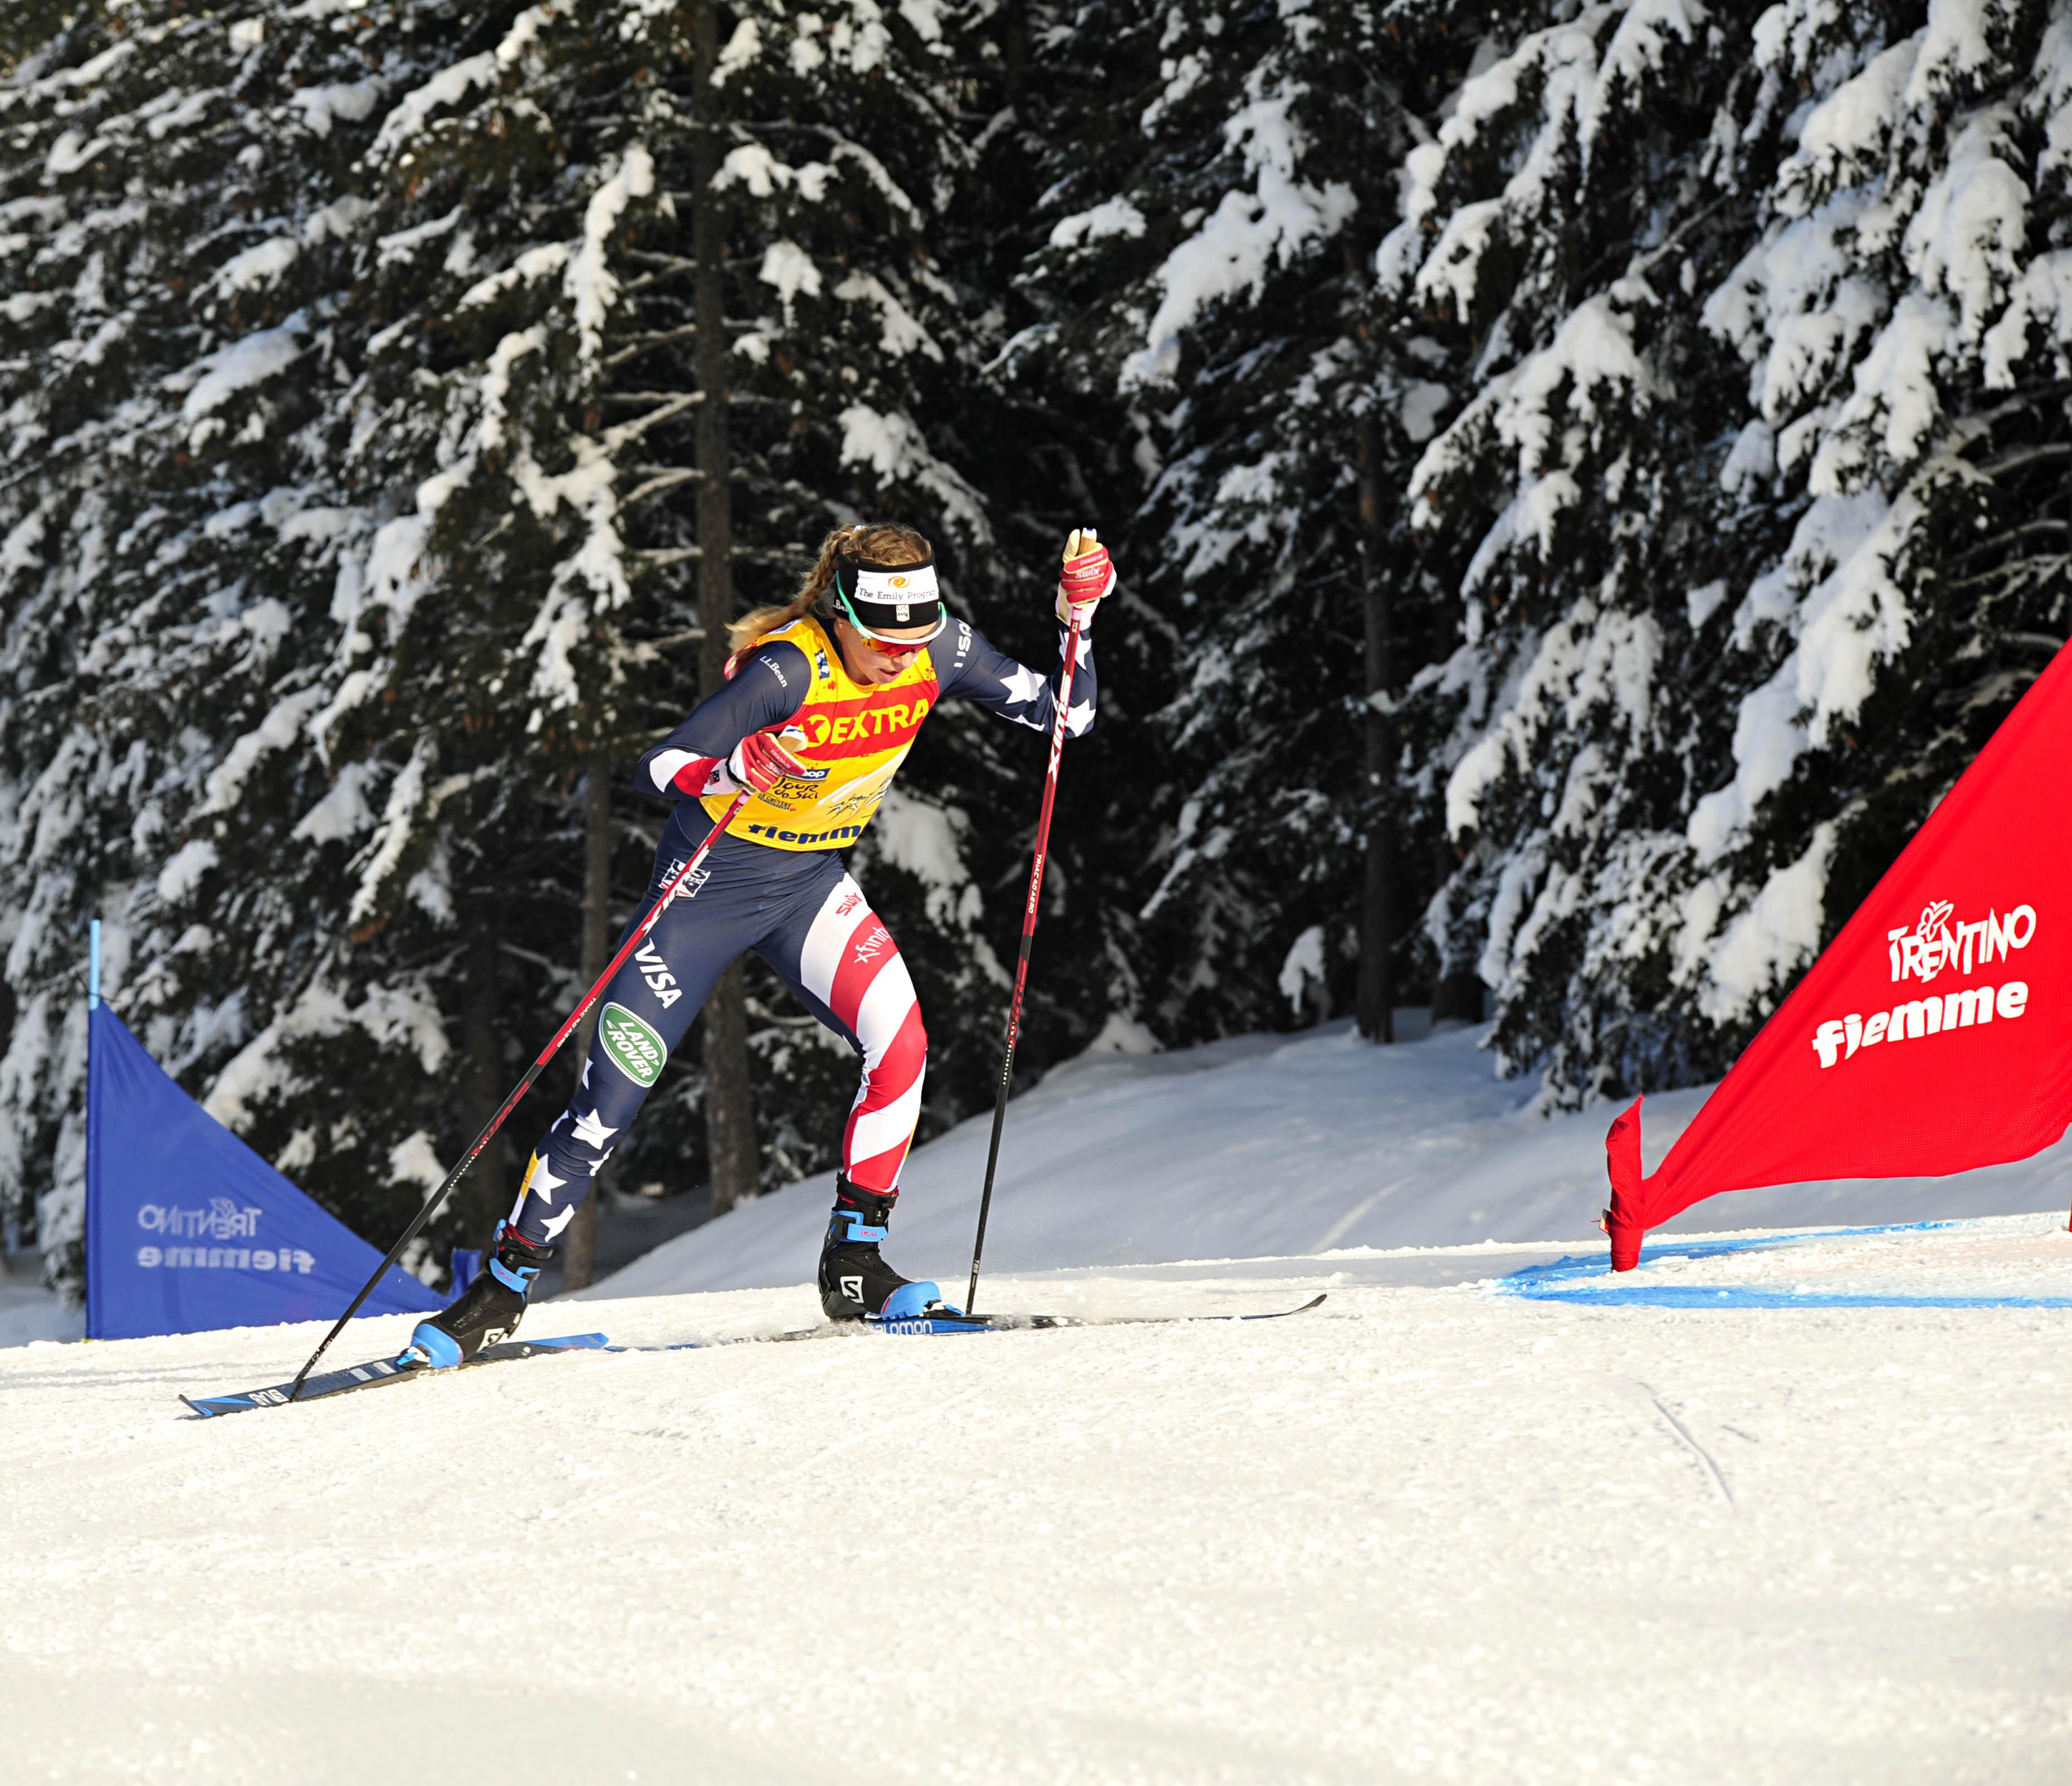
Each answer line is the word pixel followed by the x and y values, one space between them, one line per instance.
pixel 883 544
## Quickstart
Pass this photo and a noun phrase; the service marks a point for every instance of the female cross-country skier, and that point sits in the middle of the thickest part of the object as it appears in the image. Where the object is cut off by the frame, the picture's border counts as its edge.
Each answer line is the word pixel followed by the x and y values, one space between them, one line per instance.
pixel 823 698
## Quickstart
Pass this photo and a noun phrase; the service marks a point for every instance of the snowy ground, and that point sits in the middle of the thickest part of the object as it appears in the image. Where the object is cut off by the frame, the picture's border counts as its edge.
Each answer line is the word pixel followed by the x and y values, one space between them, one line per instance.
pixel 1425 1532
pixel 1436 1530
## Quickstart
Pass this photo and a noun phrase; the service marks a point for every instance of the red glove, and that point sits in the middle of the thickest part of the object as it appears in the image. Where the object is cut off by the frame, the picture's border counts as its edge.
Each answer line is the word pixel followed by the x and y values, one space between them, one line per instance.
pixel 1084 580
pixel 761 761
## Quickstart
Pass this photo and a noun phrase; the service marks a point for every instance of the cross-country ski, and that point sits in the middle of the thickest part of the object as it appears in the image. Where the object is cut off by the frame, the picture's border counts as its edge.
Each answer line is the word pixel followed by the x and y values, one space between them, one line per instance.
pixel 1145 893
pixel 348 1378
pixel 376 1372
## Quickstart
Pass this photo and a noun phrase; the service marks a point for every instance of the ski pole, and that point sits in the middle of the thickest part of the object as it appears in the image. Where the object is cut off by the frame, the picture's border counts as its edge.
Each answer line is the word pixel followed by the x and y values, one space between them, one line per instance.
pixel 640 931
pixel 1081 538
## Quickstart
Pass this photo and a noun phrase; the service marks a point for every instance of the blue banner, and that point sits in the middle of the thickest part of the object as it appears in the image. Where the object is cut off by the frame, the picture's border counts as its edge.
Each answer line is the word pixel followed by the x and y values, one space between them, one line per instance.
pixel 188 1229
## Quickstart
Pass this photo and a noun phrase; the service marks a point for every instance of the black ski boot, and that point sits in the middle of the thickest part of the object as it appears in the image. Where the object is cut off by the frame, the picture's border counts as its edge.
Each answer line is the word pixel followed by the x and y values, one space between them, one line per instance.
pixel 488 1310
pixel 854 1280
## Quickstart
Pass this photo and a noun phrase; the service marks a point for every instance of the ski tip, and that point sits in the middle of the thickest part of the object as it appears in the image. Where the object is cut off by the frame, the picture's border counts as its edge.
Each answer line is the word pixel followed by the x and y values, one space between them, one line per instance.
pixel 207 1407
pixel 1282 1314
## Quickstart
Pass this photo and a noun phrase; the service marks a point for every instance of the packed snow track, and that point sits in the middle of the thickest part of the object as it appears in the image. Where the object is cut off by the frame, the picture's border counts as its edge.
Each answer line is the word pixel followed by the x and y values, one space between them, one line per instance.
pixel 1436 1530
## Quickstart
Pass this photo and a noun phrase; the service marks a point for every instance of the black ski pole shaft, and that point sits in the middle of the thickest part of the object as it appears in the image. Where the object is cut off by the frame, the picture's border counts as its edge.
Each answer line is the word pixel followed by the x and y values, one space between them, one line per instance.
pixel 518 1092
pixel 1027 927
pixel 999 1123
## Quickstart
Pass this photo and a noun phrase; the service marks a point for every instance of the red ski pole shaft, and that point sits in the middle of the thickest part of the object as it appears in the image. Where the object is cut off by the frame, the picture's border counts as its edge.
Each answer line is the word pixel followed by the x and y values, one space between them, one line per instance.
pixel 640 931
pixel 1028 936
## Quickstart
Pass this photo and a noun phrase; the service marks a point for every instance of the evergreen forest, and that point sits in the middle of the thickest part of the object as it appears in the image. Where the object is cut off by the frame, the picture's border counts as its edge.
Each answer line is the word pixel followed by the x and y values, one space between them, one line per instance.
pixel 1586 479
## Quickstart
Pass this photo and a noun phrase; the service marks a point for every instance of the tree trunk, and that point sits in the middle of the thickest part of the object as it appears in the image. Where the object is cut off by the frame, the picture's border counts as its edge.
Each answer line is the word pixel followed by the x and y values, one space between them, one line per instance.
pixel 579 1249
pixel 1014 48
pixel 485 1193
pixel 1377 968
pixel 729 1100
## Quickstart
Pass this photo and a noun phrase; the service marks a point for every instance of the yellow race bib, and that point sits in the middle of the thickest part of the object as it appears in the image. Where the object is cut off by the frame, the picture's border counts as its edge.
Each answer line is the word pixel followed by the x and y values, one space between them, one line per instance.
pixel 856 737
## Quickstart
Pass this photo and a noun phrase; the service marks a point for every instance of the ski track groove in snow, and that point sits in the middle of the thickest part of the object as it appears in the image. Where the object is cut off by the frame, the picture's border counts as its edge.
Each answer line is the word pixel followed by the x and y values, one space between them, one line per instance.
pixel 1710 1464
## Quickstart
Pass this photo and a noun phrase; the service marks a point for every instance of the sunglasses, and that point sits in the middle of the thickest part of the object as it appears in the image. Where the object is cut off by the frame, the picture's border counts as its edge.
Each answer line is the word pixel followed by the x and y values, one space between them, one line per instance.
pixel 895 647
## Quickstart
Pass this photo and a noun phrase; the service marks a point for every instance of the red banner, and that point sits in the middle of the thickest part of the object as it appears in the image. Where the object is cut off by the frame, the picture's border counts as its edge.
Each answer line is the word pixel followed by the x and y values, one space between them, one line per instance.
pixel 1935 1033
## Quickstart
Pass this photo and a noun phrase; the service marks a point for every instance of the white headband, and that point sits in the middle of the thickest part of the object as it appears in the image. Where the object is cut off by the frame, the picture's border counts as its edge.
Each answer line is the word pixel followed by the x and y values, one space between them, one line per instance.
pixel 902 590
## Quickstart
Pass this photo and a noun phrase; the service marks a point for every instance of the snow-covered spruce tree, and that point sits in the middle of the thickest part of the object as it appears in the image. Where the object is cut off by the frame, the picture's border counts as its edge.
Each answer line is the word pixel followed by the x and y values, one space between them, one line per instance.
pixel 1749 511
pixel 181 233
pixel 1570 146
pixel 348 570
pixel 1217 182
pixel 1050 447
pixel 485 652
